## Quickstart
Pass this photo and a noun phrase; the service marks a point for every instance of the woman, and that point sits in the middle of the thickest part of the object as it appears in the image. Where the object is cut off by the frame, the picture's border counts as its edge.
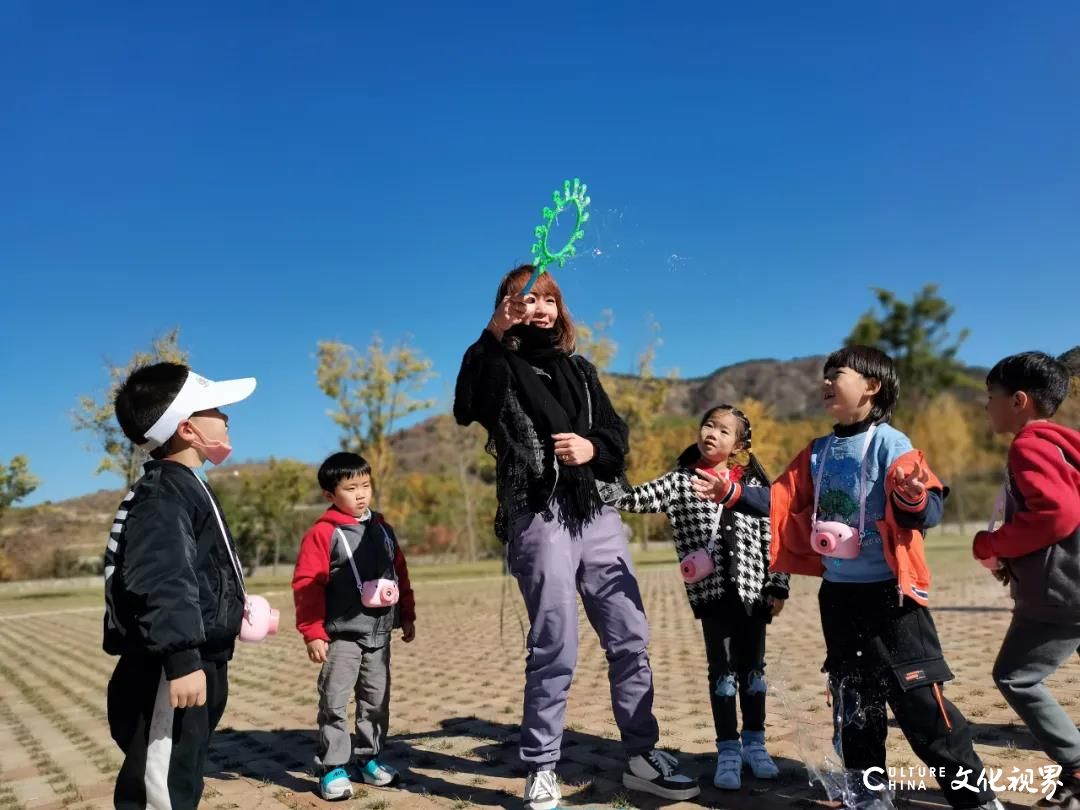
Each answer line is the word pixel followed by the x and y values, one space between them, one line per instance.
pixel 560 452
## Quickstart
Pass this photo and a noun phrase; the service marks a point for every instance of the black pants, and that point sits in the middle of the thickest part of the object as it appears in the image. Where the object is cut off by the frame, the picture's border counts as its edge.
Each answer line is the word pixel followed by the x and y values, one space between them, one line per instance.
pixel 164 748
pixel 735 649
pixel 878 652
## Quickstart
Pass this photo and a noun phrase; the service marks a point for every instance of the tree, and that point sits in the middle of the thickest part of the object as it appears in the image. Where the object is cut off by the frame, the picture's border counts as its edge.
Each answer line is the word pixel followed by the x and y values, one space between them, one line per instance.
pixel 943 431
pixel 916 335
pixel 640 401
pixel 593 342
pixel 765 436
pixel 16 482
pixel 469 462
pixel 98 417
pixel 373 392
pixel 263 513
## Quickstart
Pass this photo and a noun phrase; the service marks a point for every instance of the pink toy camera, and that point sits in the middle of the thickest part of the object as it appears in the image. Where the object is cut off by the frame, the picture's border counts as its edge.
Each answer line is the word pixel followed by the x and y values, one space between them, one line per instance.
pixel 260 620
pixel 695 566
pixel 377 593
pixel 830 538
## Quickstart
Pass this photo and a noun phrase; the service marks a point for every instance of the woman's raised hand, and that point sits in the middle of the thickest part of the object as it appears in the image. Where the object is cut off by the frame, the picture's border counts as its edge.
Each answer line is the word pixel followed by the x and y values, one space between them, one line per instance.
pixel 511 311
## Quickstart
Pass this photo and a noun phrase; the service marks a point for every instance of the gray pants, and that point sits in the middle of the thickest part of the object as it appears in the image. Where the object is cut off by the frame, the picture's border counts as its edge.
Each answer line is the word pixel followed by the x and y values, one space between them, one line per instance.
pixel 353 670
pixel 1030 653
pixel 551 569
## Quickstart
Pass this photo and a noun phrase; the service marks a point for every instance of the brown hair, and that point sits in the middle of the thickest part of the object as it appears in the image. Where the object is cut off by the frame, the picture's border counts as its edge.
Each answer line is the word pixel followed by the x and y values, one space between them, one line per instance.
pixel 515 281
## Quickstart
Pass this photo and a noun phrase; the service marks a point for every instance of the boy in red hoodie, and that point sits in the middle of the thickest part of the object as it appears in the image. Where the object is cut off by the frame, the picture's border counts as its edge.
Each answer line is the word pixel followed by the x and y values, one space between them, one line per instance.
pixel 351 588
pixel 1038 549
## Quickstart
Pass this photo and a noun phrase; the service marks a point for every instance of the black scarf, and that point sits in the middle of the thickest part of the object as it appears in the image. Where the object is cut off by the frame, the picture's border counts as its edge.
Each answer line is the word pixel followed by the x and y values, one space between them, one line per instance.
pixel 562 408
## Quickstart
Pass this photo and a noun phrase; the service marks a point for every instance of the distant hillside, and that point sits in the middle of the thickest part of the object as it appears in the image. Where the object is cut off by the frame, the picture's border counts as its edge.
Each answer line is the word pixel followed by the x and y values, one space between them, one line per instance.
pixel 1071 358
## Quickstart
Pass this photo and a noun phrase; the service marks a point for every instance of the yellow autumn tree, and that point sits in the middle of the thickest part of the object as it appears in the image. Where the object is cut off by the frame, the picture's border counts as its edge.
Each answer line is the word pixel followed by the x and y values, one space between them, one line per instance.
pixel 96 416
pixel 945 431
pixel 639 399
pixel 373 391
pixel 776 442
pixel 594 343
pixel 764 434
pixel 16 482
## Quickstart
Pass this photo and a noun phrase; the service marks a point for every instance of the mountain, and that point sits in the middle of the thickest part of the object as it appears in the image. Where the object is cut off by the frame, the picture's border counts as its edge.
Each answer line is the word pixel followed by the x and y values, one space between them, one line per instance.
pixel 1071 359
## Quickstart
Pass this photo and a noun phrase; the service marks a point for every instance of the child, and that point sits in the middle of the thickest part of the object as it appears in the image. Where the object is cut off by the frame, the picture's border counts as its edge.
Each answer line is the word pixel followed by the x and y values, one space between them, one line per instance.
pixel 852 508
pixel 344 629
pixel 738 597
pixel 174 589
pixel 1039 549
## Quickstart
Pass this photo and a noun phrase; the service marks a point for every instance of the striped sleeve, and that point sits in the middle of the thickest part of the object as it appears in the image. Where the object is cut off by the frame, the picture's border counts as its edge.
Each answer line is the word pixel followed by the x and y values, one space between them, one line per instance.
pixel 116 533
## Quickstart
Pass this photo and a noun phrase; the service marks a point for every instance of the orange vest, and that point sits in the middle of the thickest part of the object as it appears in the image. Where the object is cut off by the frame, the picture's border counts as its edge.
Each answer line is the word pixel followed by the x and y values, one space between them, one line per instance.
pixel 792 506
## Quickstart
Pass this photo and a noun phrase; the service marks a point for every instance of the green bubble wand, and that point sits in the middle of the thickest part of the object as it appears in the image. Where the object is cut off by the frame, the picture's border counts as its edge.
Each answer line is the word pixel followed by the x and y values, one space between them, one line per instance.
pixel 542 256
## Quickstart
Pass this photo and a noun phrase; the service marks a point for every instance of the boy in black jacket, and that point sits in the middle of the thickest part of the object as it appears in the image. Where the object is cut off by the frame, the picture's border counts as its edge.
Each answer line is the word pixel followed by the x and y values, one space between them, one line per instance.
pixel 174 588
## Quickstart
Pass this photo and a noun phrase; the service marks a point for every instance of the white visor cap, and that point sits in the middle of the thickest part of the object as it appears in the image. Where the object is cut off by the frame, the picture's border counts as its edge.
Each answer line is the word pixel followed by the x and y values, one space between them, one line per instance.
pixel 197 394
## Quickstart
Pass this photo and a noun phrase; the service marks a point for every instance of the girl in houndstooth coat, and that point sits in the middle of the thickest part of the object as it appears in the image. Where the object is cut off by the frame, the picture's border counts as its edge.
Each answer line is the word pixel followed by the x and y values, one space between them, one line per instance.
pixel 720 510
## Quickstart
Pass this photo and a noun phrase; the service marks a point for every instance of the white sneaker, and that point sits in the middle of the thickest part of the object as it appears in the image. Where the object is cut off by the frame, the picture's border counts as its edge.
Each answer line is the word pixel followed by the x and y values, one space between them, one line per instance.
pixel 657 772
pixel 728 774
pixel 542 791
pixel 755 755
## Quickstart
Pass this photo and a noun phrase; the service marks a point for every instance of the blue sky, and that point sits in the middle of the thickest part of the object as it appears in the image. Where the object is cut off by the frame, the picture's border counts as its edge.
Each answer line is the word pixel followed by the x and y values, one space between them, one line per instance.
pixel 273 174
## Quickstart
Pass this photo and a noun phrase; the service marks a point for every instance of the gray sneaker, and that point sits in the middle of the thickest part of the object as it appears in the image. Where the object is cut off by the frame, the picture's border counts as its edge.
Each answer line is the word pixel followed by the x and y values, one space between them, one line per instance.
pixel 657 772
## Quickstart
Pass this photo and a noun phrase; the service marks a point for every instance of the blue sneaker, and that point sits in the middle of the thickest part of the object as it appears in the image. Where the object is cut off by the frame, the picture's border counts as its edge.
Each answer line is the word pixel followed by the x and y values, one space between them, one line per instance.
pixel 335 785
pixel 756 757
pixel 374 773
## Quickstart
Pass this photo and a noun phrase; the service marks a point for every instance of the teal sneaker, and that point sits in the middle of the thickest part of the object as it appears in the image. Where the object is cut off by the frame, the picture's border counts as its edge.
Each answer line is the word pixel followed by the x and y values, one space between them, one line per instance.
pixel 335 785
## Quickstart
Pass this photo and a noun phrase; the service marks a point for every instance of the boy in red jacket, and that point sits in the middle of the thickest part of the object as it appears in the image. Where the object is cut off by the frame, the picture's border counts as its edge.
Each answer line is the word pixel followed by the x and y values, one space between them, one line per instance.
pixel 351 588
pixel 1038 551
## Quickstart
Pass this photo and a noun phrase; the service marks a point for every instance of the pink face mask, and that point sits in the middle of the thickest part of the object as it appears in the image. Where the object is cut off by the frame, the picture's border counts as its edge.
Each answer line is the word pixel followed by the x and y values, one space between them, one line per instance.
pixel 216 452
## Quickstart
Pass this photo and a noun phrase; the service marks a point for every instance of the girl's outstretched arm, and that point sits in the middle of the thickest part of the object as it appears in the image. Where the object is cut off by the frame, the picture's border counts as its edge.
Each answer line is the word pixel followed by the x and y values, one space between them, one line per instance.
pixel 652 497
pixel 733 495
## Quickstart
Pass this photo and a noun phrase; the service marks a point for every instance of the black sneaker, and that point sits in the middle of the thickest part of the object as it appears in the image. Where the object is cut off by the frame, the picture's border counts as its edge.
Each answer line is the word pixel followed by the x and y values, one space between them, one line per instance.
pixel 657 772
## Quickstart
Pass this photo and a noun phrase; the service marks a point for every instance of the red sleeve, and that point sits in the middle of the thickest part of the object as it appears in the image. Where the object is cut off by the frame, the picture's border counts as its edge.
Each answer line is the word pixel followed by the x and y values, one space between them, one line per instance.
pixel 405 599
pixel 1048 485
pixel 309 580
pixel 791 501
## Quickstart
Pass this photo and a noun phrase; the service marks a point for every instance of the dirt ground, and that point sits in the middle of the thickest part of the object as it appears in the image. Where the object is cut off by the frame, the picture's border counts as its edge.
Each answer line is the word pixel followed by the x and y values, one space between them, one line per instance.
pixel 457 702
